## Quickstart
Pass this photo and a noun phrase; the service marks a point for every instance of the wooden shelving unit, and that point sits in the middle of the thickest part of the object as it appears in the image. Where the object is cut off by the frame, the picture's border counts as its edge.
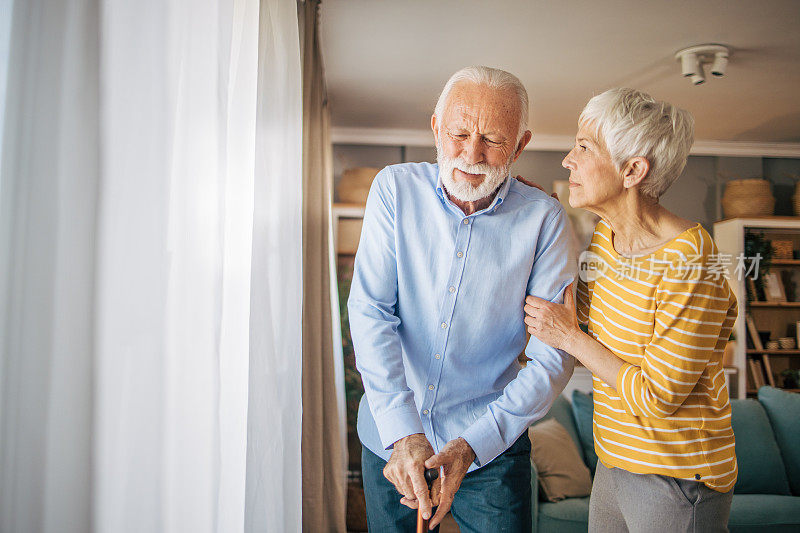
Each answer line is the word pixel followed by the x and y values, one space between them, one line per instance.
pixel 346 227
pixel 346 218
pixel 772 316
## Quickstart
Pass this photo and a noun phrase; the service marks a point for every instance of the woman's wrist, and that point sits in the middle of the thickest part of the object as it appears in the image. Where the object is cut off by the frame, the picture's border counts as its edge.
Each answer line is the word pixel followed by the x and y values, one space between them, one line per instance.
pixel 596 357
pixel 572 341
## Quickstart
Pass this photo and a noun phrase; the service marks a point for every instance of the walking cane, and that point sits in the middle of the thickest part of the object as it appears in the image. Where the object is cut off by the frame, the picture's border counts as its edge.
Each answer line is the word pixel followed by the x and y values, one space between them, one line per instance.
pixel 430 476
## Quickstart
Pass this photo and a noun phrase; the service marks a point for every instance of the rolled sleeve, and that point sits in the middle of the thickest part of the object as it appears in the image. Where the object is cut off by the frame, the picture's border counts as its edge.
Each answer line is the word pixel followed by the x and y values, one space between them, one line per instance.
pixel 624 383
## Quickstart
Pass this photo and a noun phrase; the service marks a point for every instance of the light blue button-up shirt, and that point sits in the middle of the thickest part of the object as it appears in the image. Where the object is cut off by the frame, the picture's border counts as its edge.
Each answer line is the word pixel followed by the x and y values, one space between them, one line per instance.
pixel 436 312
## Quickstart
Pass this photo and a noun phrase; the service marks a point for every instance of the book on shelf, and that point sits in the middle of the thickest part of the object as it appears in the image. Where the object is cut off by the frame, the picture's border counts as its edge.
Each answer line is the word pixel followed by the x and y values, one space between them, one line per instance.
pixel 768 370
pixel 797 334
pixel 751 329
pixel 773 287
pixel 757 373
pixel 752 290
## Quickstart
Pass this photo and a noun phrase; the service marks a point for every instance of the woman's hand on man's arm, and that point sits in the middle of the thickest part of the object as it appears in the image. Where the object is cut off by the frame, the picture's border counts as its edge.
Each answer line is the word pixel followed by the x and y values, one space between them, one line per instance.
pixel 557 325
pixel 550 322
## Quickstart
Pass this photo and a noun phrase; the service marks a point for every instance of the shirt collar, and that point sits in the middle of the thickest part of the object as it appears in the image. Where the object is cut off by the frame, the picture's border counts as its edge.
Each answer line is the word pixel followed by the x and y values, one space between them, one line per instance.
pixel 498 199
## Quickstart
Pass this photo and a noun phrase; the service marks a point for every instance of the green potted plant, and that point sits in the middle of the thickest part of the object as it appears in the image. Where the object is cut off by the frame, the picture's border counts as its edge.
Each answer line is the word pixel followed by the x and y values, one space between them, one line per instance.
pixel 756 244
pixel 791 378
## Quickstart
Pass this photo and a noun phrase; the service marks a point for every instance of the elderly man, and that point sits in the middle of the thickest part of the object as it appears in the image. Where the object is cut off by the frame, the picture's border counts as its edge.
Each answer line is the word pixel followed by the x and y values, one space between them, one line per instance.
pixel 448 253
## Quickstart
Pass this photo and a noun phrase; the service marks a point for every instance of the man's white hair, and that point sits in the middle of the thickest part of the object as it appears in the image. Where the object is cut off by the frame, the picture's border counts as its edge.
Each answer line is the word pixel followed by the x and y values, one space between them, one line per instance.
pixel 632 123
pixel 493 78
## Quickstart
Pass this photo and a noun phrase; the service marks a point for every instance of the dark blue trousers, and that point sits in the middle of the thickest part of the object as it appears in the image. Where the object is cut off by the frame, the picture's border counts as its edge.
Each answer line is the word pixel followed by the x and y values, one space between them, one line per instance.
pixel 491 499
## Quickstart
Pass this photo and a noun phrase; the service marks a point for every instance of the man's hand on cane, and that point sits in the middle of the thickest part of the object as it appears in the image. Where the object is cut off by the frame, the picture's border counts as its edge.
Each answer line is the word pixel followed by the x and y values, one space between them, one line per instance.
pixel 455 458
pixel 406 471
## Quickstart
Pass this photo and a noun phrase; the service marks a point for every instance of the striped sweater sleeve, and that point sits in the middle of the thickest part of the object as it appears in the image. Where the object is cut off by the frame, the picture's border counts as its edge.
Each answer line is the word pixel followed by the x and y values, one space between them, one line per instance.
pixel 588 265
pixel 583 299
pixel 690 312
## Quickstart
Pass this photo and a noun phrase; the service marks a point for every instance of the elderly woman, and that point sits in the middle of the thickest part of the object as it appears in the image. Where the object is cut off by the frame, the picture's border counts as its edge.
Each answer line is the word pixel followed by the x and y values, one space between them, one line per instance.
pixel 659 315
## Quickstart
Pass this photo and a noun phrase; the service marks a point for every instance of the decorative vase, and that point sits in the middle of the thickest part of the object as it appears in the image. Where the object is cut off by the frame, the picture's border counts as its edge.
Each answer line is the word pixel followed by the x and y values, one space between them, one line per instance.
pixel 748 198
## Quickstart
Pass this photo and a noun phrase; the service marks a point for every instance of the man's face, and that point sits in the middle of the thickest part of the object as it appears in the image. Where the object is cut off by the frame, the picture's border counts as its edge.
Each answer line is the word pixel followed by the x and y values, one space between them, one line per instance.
pixel 476 140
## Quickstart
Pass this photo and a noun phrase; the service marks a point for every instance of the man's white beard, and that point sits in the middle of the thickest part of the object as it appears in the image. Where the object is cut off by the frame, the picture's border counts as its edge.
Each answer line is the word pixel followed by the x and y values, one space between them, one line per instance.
pixel 463 190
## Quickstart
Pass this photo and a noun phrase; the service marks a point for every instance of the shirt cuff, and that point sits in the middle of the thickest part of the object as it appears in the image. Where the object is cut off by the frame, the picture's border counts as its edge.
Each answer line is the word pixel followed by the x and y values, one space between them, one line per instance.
pixel 623 383
pixel 397 423
pixel 484 439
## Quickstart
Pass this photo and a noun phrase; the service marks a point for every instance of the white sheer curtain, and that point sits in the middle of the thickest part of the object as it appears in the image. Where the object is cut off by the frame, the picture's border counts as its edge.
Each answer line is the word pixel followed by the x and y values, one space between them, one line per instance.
pixel 150 267
pixel 274 493
pixel 47 264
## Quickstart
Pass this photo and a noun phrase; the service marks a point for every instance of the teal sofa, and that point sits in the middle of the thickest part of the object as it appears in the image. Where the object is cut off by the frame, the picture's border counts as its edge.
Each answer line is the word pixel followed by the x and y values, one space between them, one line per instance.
pixel 767 492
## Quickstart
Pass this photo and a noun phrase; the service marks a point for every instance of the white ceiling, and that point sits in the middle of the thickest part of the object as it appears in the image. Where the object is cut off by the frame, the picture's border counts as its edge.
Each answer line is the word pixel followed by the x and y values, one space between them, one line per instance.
pixel 386 60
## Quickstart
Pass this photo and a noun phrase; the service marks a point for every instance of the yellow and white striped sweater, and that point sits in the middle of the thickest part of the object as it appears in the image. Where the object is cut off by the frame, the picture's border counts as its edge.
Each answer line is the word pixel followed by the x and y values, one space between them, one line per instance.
pixel 668 316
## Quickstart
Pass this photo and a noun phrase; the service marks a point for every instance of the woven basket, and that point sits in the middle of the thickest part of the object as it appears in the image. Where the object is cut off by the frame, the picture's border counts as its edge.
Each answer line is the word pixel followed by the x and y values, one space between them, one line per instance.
pixel 748 198
pixel 354 186
pixel 782 248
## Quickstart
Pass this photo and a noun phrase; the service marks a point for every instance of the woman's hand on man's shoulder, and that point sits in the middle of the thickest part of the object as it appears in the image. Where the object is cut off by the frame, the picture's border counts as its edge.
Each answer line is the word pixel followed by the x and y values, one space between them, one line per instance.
pixel 533 184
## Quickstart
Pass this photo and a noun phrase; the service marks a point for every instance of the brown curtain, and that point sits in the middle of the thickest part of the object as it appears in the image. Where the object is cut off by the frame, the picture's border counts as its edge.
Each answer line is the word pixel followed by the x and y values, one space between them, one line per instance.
pixel 324 462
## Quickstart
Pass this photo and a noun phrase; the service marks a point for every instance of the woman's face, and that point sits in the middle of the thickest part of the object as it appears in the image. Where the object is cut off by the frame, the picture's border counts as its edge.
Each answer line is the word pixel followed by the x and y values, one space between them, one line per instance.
pixel 593 177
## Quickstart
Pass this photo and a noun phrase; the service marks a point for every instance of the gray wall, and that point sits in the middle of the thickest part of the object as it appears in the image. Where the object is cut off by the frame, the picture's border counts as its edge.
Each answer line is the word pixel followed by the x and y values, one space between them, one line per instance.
pixel 695 195
pixel 782 173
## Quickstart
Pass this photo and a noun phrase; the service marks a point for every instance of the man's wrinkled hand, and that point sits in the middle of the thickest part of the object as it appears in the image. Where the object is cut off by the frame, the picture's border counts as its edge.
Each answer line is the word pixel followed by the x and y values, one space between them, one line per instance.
pixel 406 471
pixel 454 460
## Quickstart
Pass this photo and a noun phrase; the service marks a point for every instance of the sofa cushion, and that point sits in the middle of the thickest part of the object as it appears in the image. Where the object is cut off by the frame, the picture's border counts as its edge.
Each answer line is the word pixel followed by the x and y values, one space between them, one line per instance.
pixel 567 516
pixel 561 410
pixel 582 408
pixel 562 473
pixel 783 410
pixel 761 469
pixel 764 512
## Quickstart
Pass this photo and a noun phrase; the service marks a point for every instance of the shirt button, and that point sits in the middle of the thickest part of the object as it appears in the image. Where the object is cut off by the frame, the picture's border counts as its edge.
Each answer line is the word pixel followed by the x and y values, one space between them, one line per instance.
pixel 430 387
pixel 460 254
pixel 425 412
pixel 452 289
pixel 697 477
pixel 466 221
pixel 444 325
pixel 438 356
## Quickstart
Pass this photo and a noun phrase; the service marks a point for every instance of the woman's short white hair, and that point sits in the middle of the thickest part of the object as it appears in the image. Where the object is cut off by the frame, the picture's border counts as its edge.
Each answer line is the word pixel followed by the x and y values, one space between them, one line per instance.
pixel 632 123
pixel 493 78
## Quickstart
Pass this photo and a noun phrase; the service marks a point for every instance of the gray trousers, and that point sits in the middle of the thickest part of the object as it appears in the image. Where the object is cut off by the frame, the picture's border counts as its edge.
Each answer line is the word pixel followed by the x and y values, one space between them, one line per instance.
pixel 623 501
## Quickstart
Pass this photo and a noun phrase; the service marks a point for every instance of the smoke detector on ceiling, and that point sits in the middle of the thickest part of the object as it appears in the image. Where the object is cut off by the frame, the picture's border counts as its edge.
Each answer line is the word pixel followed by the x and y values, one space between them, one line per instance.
pixel 695 57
